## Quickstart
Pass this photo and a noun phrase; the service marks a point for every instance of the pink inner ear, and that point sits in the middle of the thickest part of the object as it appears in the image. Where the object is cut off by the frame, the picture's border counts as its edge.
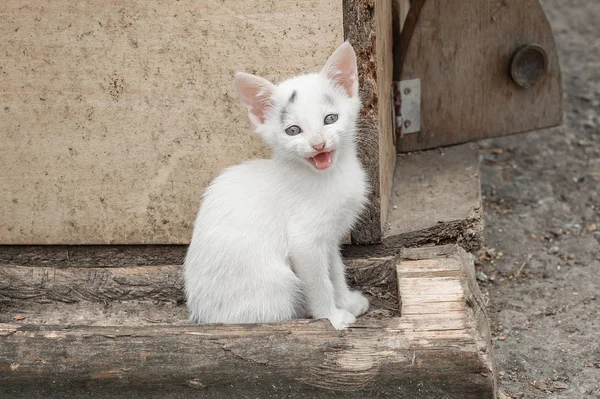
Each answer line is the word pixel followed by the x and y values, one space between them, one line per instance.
pixel 341 68
pixel 255 94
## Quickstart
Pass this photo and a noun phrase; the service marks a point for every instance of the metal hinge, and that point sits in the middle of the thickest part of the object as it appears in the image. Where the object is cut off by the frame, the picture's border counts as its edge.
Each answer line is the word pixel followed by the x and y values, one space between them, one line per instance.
pixel 406 109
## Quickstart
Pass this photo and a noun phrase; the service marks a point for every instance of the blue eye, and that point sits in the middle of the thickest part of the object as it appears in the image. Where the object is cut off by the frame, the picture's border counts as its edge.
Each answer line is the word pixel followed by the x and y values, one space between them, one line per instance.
pixel 331 118
pixel 293 130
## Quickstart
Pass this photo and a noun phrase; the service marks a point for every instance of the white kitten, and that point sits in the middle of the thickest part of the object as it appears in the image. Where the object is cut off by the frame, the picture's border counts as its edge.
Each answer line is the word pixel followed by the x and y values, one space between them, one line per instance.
pixel 266 242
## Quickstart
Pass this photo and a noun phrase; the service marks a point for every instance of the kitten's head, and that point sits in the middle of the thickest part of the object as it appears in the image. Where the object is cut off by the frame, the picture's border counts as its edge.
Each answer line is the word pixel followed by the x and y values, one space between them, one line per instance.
pixel 310 118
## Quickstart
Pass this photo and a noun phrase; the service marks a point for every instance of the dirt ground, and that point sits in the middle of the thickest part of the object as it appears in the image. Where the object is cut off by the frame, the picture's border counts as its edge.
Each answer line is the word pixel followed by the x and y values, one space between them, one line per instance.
pixel 541 269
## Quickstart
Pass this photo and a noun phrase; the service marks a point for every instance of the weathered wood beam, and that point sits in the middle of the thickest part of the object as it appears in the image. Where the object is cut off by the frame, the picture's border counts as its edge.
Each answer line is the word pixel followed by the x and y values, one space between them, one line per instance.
pixel 92 255
pixel 376 276
pixel 368 27
pixel 439 348
pixel 94 284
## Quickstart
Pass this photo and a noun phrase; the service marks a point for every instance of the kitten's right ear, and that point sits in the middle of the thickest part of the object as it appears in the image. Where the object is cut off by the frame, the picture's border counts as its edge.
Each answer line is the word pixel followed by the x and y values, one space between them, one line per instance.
pixel 341 69
pixel 256 94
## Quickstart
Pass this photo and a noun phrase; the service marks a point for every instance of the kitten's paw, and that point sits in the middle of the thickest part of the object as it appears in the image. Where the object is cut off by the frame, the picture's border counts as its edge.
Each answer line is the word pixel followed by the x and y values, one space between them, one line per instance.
pixel 355 303
pixel 341 318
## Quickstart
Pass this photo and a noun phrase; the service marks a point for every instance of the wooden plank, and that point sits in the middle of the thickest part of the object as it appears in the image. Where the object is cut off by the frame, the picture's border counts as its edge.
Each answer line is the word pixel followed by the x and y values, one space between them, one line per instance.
pixel 461 51
pixel 95 284
pixel 427 294
pixel 152 313
pixel 42 284
pixel 385 75
pixel 437 198
pixel 368 27
pixel 297 359
pixel 116 115
pixel 440 355
pixel 92 255
pixel 102 313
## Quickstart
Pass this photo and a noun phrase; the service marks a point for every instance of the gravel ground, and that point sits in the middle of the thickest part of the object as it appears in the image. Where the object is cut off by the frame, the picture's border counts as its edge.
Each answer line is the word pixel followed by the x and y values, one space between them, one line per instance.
pixel 541 266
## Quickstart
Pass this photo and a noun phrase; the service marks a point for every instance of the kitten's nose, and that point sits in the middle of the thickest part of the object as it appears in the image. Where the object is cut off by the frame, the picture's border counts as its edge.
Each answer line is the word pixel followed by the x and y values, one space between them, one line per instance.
pixel 319 147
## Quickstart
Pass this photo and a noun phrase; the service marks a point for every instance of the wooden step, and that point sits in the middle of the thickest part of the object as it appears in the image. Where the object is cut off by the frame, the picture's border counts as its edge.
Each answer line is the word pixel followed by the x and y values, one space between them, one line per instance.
pixel 23 288
pixel 439 348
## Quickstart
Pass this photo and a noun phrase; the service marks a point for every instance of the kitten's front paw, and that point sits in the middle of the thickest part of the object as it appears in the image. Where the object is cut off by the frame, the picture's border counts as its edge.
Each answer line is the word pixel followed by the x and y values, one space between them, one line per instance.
pixel 355 303
pixel 341 318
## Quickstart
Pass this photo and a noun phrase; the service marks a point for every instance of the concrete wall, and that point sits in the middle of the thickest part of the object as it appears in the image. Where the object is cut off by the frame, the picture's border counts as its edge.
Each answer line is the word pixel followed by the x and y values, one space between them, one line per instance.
pixel 115 115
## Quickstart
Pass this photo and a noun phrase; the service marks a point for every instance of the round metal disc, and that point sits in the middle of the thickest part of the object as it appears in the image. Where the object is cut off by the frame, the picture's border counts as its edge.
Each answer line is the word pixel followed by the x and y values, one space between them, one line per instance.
pixel 528 65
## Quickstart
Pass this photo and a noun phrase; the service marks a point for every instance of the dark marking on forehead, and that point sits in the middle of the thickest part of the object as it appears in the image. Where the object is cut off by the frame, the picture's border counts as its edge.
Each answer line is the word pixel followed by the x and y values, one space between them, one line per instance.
pixel 329 99
pixel 283 115
pixel 284 111
pixel 292 97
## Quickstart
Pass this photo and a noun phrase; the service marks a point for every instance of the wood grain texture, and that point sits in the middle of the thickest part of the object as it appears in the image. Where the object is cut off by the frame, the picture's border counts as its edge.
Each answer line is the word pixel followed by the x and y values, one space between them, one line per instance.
pixel 95 284
pixel 368 27
pixel 385 73
pixel 92 255
pixel 101 314
pixel 437 198
pixel 117 114
pixel 461 50
pixel 428 352
pixel 46 284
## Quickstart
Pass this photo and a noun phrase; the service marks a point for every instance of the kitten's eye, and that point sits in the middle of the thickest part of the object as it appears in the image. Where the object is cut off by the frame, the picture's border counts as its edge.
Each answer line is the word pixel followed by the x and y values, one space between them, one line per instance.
pixel 331 118
pixel 293 130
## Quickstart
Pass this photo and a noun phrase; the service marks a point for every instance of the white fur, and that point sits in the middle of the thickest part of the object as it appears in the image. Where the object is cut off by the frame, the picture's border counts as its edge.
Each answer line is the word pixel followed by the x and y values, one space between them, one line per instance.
pixel 266 242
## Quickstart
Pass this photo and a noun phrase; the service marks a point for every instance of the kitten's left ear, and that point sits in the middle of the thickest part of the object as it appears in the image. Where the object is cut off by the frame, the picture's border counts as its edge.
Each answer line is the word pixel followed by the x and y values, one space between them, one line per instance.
pixel 342 70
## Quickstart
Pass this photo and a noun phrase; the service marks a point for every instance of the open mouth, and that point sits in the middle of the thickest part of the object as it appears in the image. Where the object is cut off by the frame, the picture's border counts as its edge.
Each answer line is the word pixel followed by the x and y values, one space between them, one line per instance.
pixel 322 160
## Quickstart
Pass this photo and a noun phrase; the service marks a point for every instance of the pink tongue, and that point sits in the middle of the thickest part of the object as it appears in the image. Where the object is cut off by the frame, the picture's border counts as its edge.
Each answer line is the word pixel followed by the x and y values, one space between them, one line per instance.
pixel 322 160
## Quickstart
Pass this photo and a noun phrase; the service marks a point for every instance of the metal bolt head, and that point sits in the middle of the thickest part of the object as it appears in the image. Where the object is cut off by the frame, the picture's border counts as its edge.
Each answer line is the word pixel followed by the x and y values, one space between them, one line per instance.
pixel 407 123
pixel 528 65
pixel 407 91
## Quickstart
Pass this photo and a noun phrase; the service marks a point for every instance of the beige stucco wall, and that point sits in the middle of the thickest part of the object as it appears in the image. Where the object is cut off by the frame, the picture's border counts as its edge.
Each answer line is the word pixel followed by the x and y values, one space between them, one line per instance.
pixel 115 115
